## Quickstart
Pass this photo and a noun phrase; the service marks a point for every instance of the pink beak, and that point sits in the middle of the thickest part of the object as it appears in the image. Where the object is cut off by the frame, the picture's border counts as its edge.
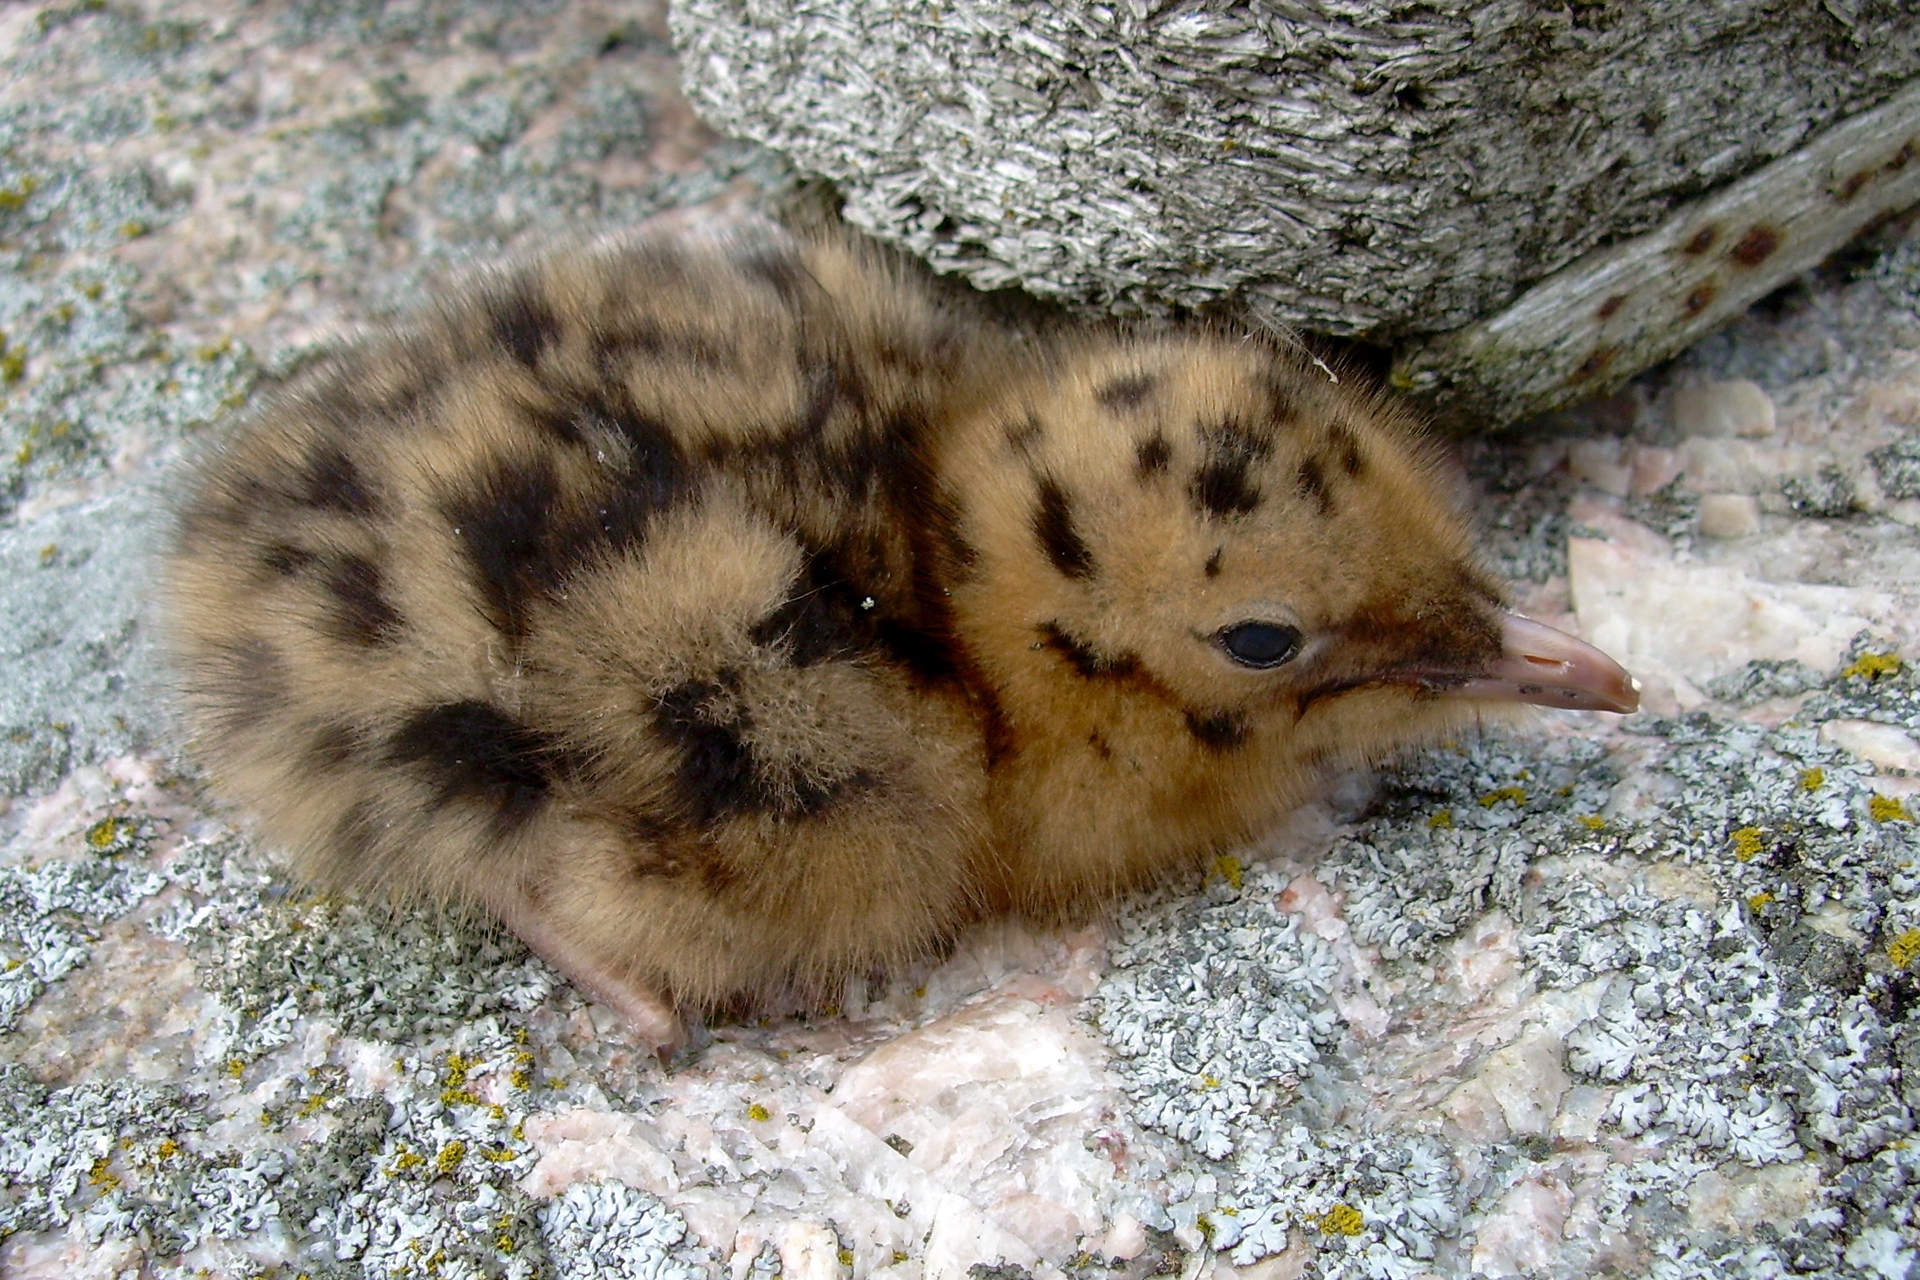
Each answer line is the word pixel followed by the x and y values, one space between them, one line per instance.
pixel 1550 668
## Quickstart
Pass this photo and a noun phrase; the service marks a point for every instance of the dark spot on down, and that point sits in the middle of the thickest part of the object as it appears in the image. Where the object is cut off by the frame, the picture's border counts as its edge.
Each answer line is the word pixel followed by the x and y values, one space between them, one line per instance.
pixel 247 681
pixel 1698 300
pixel 815 623
pixel 1283 402
pixel 522 544
pixel 1701 241
pixel 1224 485
pixel 780 270
pixel 473 751
pixel 1024 434
pixel 333 744
pixel 503 521
pixel 647 340
pixel 1087 661
pixel 1221 731
pixel 1611 306
pixel 333 482
pixel 284 560
pixel 362 615
pixel 357 832
pixel 1153 456
pixel 1311 481
pixel 1348 447
pixel 1053 525
pixel 1212 566
pixel 522 322
pixel 719 777
pixel 654 477
pixel 1127 393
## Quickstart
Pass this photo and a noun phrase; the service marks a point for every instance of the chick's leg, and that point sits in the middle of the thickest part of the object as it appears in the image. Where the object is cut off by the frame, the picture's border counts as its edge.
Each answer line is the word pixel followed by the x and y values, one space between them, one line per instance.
pixel 650 1017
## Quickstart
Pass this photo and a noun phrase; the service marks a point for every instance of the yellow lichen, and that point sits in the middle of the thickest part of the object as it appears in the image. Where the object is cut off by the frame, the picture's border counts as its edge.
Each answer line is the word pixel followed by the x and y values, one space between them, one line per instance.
pixel 1209 1082
pixel 450 1156
pixel 1592 821
pixel 1747 843
pixel 1343 1220
pixel 846 1256
pixel 459 1097
pixel 16 195
pixel 756 1113
pixel 101 1177
pixel 1904 948
pixel 1492 798
pixel 407 1159
pixel 235 1068
pixel 1758 901
pixel 103 833
pixel 1229 868
pixel 1888 809
pixel 1813 779
pixel 1441 821
pixel 1872 666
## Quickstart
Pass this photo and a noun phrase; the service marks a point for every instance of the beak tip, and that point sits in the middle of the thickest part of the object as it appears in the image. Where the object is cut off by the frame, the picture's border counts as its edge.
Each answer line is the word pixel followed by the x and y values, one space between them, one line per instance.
pixel 1544 665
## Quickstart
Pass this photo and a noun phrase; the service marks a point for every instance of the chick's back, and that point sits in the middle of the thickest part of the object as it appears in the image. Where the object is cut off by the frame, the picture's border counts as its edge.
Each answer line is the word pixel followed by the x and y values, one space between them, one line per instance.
pixel 590 599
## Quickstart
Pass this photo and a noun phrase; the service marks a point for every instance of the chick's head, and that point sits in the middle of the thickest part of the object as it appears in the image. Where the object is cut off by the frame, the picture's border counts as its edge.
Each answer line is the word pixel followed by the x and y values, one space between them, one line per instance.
pixel 1206 533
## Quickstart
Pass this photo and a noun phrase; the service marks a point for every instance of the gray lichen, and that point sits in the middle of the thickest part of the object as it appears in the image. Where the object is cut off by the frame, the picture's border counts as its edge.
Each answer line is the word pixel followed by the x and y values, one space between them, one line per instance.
pixel 1769 1021
pixel 50 913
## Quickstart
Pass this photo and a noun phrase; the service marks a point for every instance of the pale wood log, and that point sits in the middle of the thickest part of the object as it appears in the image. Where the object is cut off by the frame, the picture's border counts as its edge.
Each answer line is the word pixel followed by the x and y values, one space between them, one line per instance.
pixel 1589 328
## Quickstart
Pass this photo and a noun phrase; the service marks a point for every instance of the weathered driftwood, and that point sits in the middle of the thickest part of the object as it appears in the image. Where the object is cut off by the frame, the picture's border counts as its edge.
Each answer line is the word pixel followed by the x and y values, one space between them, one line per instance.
pixel 1590 327
pixel 1384 170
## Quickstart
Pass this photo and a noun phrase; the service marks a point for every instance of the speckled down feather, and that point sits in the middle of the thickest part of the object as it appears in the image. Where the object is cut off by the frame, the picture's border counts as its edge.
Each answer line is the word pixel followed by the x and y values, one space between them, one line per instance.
pixel 732 618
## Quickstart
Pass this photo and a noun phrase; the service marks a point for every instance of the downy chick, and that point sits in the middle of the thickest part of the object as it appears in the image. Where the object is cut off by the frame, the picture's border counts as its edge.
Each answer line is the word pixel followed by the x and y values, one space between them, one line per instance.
pixel 731 619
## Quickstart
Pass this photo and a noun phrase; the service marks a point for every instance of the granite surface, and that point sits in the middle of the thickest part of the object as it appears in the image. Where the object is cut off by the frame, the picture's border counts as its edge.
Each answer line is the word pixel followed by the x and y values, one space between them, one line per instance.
pixel 1572 997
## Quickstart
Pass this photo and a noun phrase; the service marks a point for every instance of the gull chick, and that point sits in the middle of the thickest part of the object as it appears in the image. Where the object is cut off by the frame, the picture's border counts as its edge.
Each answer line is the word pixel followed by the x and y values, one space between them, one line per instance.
pixel 730 619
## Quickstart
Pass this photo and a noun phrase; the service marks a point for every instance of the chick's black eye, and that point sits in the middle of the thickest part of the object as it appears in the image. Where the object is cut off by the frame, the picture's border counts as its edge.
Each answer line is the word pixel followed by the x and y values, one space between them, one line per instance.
pixel 1259 644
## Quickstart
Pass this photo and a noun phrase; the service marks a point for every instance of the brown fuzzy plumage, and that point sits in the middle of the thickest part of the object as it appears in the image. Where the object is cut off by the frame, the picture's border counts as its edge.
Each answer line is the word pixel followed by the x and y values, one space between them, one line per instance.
pixel 731 619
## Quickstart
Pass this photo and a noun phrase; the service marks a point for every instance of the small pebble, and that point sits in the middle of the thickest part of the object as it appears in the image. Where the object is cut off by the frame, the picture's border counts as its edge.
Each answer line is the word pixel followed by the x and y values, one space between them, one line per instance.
pixel 1734 408
pixel 1654 469
pixel 1729 515
pixel 1599 463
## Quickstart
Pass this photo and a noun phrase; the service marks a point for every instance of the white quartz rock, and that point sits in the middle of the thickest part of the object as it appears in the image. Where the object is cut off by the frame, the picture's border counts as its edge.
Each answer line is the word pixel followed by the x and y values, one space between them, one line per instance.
pixel 1681 624
pixel 994 1102
pixel 1881 745
pixel 1729 515
pixel 1736 407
